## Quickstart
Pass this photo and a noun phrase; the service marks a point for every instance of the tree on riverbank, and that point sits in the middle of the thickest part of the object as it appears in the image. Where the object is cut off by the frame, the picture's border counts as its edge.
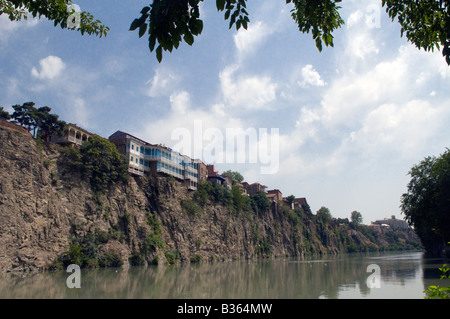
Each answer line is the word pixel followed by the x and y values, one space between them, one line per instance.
pixel 426 204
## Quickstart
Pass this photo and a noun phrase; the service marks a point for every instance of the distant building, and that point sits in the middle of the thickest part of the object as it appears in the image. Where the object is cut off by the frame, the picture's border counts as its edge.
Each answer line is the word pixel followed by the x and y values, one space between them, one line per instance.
pixel 144 158
pixel 392 223
pixel 211 170
pixel 202 170
pixel 300 202
pixel 254 188
pixel 72 134
pixel 274 195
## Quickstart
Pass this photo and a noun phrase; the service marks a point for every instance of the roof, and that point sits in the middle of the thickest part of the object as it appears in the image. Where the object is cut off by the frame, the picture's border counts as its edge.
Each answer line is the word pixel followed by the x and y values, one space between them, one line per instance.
pixel 80 128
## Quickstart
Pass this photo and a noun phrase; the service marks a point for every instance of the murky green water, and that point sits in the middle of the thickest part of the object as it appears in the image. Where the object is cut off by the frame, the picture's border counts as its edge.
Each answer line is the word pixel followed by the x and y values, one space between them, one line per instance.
pixel 401 275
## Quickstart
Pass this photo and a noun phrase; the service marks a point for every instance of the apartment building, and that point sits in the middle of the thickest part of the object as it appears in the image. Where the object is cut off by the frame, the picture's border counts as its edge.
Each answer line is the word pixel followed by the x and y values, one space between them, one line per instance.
pixel 144 158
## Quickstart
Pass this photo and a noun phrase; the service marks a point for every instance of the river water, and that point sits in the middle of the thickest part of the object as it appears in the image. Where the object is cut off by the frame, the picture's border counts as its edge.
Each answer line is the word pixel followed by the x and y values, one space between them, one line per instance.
pixel 402 275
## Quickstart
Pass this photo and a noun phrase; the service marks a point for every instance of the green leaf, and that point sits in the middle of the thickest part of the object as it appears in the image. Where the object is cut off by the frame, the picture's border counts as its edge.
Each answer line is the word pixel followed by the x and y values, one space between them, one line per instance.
pixel 220 4
pixel 151 41
pixel 142 30
pixel 135 24
pixel 159 53
pixel 189 38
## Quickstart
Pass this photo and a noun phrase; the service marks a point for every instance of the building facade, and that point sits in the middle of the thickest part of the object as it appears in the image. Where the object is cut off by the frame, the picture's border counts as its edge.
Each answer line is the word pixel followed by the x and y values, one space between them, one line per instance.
pixel 144 158
pixel 72 134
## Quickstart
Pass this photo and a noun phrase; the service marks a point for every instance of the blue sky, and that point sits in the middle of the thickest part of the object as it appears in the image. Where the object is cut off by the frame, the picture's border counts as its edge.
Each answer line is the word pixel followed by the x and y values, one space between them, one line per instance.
pixel 350 121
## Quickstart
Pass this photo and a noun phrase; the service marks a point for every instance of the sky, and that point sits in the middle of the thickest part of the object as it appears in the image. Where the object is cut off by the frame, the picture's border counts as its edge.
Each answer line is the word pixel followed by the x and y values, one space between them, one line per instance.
pixel 341 127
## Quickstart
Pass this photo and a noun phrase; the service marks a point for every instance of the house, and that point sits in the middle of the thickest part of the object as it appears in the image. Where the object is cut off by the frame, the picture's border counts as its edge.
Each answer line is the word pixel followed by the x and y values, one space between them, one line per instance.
pixel 274 195
pixel 300 202
pixel 217 180
pixel 72 134
pixel 202 170
pixel 211 170
pixel 392 223
pixel 255 188
pixel 145 158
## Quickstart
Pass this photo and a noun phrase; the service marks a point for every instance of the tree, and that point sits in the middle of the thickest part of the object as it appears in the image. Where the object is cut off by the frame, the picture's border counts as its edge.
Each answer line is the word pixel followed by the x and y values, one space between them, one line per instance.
pixel 59 11
pixel 48 124
pixel 38 120
pixel 426 24
pixel 356 217
pixel 102 163
pixel 426 204
pixel 234 176
pixel 324 215
pixel 290 199
pixel 260 203
pixel 170 22
pixel 24 115
pixel 4 114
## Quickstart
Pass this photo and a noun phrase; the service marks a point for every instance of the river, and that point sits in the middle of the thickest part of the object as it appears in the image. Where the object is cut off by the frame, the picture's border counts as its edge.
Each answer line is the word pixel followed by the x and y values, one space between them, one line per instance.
pixel 403 275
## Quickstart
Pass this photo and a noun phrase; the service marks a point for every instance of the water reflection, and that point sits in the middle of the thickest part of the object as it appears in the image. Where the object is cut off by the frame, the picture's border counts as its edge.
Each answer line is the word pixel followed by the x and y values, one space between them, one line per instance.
pixel 344 276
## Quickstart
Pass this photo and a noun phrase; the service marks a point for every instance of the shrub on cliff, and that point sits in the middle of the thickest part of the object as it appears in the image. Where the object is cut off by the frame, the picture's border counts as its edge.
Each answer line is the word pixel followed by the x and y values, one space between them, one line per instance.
pixel 98 160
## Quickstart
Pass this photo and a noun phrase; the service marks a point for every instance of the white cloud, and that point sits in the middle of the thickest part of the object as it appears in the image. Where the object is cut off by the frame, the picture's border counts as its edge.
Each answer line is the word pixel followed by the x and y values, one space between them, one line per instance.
pixel 248 41
pixel 180 102
pixel 51 67
pixel 354 18
pixel 310 77
pixel 164 81
pixel 8 27
pixel 247 92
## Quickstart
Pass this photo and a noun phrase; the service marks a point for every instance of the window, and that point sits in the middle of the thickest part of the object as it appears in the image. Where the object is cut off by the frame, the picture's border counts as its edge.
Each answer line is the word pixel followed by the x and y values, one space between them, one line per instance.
pixel 131 160
pixel 142 150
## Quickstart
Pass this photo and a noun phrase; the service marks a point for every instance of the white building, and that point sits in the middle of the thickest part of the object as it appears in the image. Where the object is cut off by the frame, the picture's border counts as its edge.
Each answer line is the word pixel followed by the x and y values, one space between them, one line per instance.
pixel 144 158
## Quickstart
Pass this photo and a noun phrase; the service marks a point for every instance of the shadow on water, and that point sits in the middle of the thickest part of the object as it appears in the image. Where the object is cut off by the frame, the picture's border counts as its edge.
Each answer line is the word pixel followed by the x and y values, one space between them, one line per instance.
pixel 403 275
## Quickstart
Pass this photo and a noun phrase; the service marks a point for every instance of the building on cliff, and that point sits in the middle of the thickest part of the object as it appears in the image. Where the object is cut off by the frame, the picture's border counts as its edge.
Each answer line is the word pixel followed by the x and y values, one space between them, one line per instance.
pixel 274 195
pixel 72 134
pixel 144 158
pixel 392 223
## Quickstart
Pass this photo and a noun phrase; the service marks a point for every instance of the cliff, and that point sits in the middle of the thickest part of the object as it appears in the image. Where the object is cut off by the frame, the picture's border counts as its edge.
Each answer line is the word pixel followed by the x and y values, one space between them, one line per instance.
pixel 49 218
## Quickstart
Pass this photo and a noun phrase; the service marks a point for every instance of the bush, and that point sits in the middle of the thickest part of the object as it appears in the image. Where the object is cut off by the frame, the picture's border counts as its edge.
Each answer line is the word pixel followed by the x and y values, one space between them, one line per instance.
pixel 136 259
pixel 110 259
pixel 260 203
pixel 102 163
pixel 172 256
pixel 196 258
pixel 190 207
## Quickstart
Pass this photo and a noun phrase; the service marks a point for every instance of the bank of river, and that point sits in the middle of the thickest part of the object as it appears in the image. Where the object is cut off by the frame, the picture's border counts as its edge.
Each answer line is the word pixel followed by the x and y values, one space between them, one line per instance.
pixel 388 275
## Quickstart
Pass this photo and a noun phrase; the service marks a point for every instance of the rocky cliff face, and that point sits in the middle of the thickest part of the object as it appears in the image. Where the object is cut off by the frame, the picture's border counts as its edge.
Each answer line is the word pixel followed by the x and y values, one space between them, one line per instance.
pixel 44 212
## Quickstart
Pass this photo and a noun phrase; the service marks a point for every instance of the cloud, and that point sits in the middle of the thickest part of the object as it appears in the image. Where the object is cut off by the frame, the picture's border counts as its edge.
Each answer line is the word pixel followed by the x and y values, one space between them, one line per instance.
pixel 164 81
pixel 247 92
pixel 401 129
pixel 180 102
pixel 310 77
pixel 51 67
pixel 248 41
pixel 8 27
